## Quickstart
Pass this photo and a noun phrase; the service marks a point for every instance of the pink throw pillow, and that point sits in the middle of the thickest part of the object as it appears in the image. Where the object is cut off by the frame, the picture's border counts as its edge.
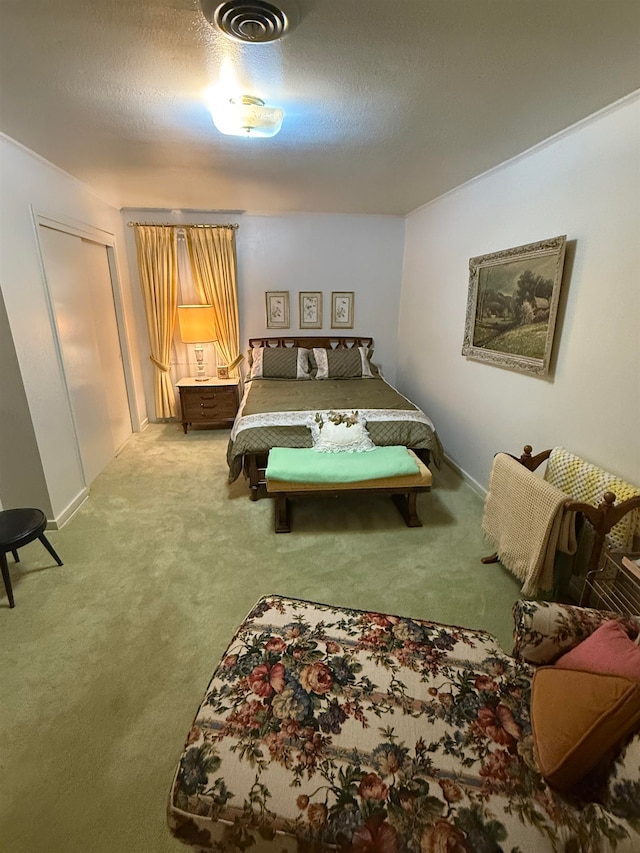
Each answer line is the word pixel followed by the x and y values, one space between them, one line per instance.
pixel 607 650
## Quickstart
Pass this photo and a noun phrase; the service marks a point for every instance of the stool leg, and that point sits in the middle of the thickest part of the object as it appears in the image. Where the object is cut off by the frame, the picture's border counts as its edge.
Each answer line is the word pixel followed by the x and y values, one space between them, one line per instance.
pixel 6 577
pixel 15 556
pixel 50 549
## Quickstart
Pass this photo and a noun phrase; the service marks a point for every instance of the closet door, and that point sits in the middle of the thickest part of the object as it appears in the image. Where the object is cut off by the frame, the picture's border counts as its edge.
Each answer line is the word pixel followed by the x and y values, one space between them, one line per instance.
pixel 79 282
pixel 98 280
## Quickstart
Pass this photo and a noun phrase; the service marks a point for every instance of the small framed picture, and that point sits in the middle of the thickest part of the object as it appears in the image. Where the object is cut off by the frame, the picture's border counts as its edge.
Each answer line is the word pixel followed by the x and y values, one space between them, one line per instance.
pixel 342 309
pixel 310 309
pixel 222 371
pixel 277 309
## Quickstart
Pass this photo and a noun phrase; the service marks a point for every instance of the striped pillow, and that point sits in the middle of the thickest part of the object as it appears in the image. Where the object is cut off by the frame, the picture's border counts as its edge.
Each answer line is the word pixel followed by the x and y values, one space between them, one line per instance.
pixel 280 363
pixel 350 363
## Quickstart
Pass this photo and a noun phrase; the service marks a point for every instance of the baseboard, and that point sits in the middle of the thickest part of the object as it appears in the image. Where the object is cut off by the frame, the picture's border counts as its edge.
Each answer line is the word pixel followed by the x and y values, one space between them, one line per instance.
pixel 61 519
pixel 474 485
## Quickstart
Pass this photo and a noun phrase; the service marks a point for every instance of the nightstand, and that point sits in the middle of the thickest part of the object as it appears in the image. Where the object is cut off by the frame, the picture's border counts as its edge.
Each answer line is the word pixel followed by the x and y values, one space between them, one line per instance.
pixel 212 403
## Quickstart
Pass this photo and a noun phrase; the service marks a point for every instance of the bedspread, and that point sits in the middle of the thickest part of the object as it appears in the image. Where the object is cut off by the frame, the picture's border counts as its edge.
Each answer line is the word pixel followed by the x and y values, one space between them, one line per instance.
pixel 274 413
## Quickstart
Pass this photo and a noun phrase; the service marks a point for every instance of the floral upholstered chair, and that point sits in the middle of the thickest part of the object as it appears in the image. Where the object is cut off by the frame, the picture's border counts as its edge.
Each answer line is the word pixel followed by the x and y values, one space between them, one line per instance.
pixel 326 728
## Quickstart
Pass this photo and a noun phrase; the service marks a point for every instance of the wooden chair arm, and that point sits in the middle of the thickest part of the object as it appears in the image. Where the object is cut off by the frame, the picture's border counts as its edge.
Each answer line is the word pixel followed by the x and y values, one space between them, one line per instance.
pixel 606 515
pixel 532 462
pixel 602 518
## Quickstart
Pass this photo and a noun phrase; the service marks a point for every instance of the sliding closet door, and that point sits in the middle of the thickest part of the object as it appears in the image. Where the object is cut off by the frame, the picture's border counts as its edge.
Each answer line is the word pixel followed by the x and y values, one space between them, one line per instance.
pixel 79 283
pixel 98 279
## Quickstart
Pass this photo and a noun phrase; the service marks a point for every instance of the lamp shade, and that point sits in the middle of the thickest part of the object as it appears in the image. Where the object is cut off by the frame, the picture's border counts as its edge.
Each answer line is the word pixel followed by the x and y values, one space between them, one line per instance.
pixel 197 323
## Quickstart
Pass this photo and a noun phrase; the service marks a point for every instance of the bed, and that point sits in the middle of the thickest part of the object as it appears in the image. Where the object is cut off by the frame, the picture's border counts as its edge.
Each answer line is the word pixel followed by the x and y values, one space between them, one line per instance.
pixel 276 409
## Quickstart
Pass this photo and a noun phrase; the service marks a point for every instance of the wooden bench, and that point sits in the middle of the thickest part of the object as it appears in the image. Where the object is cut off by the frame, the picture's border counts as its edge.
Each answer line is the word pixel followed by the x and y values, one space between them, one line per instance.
pixel 403 490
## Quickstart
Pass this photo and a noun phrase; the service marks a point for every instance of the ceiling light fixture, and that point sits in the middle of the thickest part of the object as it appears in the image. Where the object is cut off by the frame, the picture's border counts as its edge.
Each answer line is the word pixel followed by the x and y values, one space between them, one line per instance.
pixel 246 116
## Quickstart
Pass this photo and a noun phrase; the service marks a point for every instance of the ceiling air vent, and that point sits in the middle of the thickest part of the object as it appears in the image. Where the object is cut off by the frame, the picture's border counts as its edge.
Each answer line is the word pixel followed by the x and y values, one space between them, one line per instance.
pixel 250 21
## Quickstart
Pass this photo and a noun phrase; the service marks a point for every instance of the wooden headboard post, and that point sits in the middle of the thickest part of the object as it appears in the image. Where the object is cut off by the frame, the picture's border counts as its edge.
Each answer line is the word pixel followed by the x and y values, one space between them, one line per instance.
pixel 328 342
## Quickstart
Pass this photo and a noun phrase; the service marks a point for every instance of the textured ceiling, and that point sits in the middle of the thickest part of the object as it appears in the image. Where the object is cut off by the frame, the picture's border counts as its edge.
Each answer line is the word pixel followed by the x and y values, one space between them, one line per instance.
pixel 388 103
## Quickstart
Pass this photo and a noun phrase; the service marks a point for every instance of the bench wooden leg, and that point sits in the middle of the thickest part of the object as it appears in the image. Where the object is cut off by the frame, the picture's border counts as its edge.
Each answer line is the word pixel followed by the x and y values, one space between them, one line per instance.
pixel 281 504
pixel 406 504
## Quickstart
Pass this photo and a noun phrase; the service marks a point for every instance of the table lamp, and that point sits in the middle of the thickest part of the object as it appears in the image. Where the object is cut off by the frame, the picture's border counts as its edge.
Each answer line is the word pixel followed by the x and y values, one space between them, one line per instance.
pixel 197 327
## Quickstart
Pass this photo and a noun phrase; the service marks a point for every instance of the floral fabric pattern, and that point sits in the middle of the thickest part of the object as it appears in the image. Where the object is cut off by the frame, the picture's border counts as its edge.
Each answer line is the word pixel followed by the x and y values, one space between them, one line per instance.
pixel 545 630
pixel 327 728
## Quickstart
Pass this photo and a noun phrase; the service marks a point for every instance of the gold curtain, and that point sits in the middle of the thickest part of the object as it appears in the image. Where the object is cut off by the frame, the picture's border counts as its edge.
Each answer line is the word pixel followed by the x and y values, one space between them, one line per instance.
pixel 157 265
pixel 213 260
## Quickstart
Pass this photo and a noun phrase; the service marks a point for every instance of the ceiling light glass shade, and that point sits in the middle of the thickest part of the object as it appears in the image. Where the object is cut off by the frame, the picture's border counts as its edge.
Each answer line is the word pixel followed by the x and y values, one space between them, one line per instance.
pixel 246 116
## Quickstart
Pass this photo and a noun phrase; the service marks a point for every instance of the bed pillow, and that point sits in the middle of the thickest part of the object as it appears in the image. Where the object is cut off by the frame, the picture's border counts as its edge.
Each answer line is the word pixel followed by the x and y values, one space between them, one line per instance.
pixel 280 363
pixel 352 363
pixel 338 432
pixel 608 649
pixel 579 719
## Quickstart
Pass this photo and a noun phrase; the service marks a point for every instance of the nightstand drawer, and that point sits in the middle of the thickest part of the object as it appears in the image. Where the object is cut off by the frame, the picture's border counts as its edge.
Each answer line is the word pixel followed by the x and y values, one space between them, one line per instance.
pixel 224 408
pixel 208 395
pixel 209 412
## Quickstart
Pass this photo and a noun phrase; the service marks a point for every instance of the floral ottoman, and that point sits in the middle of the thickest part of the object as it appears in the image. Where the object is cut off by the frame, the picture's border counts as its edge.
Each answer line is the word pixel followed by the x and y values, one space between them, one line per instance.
pixel 328 728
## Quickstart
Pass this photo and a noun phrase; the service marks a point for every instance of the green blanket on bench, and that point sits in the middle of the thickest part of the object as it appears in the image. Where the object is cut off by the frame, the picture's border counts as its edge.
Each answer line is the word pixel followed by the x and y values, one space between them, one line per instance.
pixel 305 465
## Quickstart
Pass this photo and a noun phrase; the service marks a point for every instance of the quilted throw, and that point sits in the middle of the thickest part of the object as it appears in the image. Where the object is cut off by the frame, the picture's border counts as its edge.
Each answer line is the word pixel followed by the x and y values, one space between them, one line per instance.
pixel 525 521
pixel 588 483
pixel 304 465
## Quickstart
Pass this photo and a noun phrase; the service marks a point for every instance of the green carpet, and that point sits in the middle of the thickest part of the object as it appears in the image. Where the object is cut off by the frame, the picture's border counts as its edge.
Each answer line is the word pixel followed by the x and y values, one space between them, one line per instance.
pixel 105 660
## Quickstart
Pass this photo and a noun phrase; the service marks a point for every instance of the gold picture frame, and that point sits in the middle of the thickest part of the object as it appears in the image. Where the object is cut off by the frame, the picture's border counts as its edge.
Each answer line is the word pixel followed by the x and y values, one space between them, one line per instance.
pixel 310 308
pixel 342 309
pixel 512 306
pixel 277 304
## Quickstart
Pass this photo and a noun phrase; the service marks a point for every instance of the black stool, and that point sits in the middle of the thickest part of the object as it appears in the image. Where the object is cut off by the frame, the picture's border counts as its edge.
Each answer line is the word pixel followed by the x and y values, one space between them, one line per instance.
pixel 18 527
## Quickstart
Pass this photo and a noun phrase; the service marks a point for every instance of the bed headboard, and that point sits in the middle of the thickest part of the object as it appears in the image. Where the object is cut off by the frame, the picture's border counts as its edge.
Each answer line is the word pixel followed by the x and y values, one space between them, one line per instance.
pixel 331 342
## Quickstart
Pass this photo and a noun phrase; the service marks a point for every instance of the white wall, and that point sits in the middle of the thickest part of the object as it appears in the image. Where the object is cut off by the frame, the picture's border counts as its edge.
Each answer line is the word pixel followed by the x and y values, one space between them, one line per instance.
pixel 31 184
pixel 19 482
pixel 302 252
pixel 585 183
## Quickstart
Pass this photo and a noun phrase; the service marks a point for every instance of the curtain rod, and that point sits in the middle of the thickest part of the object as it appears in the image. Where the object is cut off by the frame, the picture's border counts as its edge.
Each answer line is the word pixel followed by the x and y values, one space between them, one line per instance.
pixel 235 225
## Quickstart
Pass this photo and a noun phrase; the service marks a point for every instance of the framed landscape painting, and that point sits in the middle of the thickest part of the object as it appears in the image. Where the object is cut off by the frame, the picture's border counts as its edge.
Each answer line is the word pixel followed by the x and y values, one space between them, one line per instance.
pixel 512 306
pixel 277 309
pixel 310 309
